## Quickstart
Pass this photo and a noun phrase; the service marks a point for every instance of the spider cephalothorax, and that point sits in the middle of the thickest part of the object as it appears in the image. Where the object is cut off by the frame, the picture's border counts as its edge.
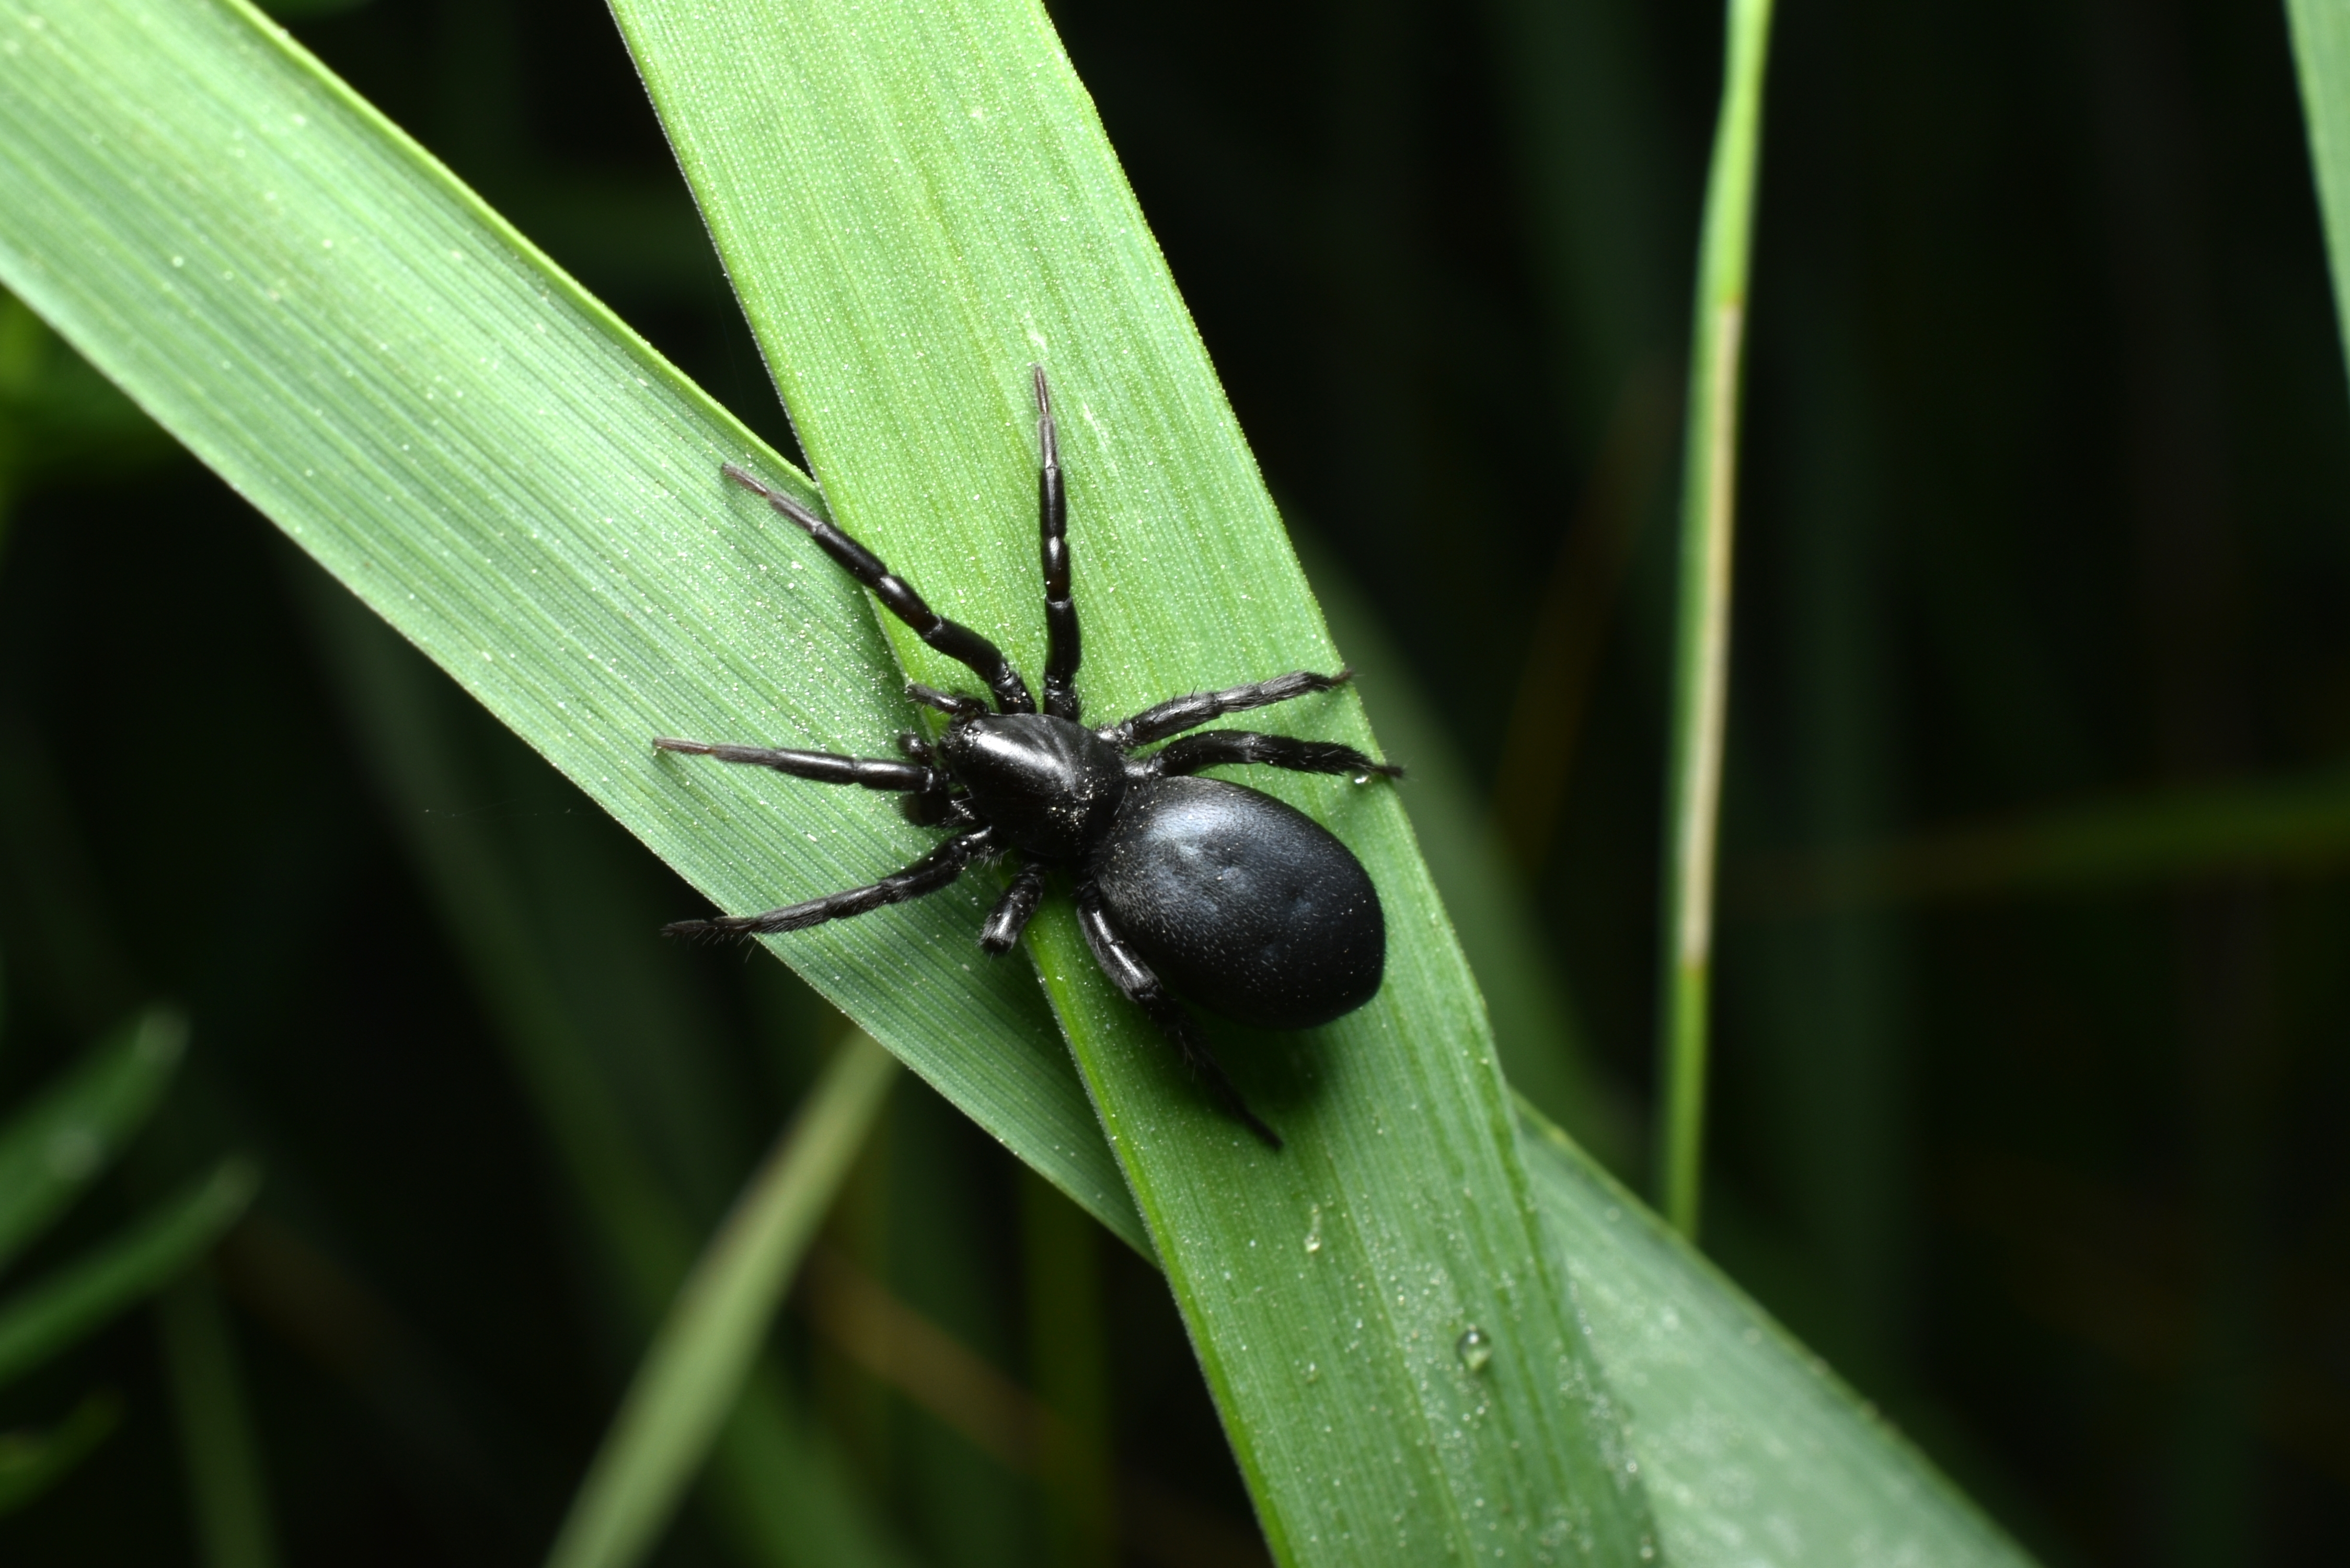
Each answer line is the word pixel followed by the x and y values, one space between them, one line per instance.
pixel 1244 905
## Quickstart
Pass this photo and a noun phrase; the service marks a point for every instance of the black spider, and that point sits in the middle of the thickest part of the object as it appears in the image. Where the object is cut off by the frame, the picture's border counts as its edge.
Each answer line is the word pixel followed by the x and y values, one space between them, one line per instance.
pixel 1245 906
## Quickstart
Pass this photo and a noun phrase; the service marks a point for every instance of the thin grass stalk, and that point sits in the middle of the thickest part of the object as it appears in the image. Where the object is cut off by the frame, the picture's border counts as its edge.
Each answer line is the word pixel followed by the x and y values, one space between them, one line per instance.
pixel 1701 655
pixel 703 1351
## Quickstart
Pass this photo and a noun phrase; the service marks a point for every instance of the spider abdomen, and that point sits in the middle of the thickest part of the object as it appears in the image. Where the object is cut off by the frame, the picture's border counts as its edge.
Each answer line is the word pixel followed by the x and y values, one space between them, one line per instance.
pixel 1245 905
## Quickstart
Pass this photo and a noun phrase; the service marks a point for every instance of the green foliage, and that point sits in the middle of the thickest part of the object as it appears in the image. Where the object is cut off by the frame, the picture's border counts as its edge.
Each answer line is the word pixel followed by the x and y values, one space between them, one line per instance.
pixel 2320 46
pixel 695 1371
pixel 587 1033
pixel 32 1462
pixel 1701 631
pixel 50 1151
pixel 72 1132
pixel 375 398
pixel 54 1311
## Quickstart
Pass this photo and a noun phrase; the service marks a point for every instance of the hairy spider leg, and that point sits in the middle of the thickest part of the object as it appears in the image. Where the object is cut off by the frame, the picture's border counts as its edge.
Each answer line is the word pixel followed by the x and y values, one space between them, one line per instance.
pixel 952 704
pixel 953 639
pixel 1178 714
pixel 1133 977
pixel 1062 647
pixel 922 790
pixel 824 767
pixel 933 871
pixel 932 807
pixel 1013 910
pixel 1220 748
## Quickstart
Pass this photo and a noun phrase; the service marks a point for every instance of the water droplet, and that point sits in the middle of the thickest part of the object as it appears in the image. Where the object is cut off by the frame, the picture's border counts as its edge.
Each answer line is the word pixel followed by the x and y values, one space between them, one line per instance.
pixel 1473 1348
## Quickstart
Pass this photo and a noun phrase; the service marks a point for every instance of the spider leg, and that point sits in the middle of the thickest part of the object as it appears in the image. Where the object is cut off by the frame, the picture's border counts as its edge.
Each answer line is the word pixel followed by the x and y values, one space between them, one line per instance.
pixel 952 704
pixel 924 808
pixel 1178 714
pixel 953 639
pixel 1218 748
pixel 824 767
pixel 1133 977
pixel 1013 911
pixel 1062 647
pixel 931 872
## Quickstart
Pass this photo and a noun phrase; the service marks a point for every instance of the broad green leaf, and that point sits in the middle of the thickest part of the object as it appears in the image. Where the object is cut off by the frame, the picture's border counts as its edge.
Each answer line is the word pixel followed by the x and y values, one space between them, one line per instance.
pixel 915 204
pixel 60 1308
pixel 1753 1452
pixel 53 1148
pixel 506 475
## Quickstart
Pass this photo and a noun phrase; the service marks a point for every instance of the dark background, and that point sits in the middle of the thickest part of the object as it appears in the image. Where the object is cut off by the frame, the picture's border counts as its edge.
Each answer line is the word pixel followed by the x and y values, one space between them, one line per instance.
pixel 2020 1114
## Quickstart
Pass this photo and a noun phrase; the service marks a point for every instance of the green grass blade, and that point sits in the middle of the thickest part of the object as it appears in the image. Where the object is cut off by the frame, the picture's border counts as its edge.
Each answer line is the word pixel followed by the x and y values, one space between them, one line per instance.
pixel 508 532
pixel 228 1495
pixel 693 1372
pixel 915 205
pixel 2321 52
pixel 1701 651
pixel 2284 824
pixel 509 476
pixel 1752 1449
pixel 61 1307
pixel 774 1483
pixel 1069 1369
pixel 57 1146
pixel 32 1462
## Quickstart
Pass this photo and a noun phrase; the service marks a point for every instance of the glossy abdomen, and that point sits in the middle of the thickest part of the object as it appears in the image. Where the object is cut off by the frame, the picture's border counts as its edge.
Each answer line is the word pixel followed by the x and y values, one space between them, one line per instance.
pixel 1244 905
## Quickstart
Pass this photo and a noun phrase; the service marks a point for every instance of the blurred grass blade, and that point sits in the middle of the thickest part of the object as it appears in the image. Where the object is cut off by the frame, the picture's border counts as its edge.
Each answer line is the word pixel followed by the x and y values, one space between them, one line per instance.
pixel 395 716
pixel 510 477
pixel 916 204
pixel 218 1450
pixel 53 1148
pixel 1753 1450
pixel 1701 652
pixel 2281 825
pixel 772 1480
pixel 693 1372
pixel 2321 50
pixel 53 1311
pixel 32 1462
pixel 1069 1367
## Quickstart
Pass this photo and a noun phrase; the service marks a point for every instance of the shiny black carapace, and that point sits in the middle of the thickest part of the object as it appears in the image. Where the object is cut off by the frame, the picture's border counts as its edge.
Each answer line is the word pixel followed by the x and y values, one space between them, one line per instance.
pixel 1239 903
